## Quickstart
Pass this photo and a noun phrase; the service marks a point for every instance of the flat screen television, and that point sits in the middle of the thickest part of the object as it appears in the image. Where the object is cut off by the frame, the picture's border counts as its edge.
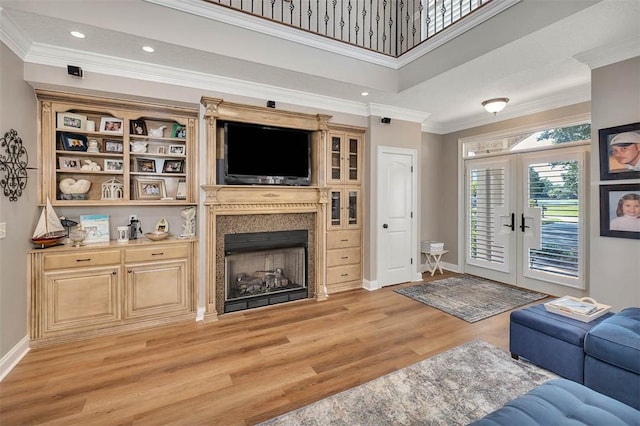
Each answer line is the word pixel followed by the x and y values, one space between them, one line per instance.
pixel 266 155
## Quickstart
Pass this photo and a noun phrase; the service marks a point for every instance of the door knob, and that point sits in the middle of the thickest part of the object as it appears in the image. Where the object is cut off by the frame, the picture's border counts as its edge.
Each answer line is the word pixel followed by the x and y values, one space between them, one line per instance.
pixel 385 226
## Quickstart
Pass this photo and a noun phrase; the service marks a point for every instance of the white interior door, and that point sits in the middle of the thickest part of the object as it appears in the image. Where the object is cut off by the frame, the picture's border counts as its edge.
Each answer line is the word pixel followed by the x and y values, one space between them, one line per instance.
pixel 397 246
pixel 524 218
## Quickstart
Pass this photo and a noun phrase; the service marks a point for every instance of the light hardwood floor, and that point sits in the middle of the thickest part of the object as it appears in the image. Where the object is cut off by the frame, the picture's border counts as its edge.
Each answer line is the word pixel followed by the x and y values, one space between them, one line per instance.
pixel 243 369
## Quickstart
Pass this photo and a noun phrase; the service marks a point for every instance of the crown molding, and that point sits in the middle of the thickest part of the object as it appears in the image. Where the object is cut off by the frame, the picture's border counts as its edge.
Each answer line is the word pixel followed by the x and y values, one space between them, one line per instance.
pixel 609 54
pixel 574 95
pixel 12 36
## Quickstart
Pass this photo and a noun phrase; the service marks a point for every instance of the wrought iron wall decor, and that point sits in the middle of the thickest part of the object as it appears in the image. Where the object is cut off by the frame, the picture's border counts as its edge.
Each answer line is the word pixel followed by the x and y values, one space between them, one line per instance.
pixel 14 164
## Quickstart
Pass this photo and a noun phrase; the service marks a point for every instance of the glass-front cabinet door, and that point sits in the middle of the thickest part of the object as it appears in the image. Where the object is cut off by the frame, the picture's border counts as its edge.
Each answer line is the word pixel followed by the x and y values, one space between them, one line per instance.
pixel 344 157
pixel 344 208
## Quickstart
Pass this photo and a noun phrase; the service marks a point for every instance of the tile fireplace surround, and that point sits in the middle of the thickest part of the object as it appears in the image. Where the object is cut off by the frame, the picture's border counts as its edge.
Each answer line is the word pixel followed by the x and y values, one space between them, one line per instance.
pixel 240 209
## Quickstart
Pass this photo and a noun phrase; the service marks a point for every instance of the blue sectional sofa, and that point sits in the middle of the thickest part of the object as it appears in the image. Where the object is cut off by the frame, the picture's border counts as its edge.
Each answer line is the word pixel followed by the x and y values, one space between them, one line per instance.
pixel 604 355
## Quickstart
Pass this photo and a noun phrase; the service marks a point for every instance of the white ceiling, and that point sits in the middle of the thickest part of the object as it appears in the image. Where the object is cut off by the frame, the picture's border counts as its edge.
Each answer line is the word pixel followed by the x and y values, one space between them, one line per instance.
pixel 538 53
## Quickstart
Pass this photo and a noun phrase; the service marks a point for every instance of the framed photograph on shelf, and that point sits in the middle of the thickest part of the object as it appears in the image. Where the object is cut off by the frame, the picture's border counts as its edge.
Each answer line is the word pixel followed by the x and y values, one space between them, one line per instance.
pixel 138 128
pixel 620 152
pixel 67 120
pixel 68 163
pixel 112 146
pixel 177 149
pixel 150 189
pixel 179 131
pixel 73 142
pixel 145 165
pixel 173 166
pixel 620 211
pixel 161 150
pixel 111 125
pixel 97 227
pixel 113 165
pixel 181 193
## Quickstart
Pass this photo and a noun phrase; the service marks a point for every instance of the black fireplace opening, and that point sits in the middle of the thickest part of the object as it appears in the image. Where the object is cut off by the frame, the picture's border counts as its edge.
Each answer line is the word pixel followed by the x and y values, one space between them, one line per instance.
pixel 265 268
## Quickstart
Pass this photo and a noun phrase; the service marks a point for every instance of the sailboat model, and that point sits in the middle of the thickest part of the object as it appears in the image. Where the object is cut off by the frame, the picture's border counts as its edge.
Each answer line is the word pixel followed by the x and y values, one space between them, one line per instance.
pixel 49 231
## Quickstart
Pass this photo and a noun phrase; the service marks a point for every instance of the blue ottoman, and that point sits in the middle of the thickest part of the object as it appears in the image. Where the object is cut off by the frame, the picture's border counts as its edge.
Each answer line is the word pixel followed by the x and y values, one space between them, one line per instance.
pixel 612 363
pixel 562 402
pixel 549 340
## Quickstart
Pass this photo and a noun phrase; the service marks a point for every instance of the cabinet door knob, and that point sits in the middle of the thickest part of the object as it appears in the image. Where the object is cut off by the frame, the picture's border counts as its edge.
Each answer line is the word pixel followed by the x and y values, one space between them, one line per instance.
pixel 114 273
pixel 385 226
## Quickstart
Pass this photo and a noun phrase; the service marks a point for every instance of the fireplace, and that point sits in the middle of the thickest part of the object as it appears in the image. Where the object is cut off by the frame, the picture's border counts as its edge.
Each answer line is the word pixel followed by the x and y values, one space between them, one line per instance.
pixel 264 268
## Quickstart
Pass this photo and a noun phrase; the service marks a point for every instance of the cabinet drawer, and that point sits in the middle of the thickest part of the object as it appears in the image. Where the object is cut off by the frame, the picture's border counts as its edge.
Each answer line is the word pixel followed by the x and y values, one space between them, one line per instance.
pixel 81 259
pixel 343 273
pixel 346 256
pixel 146 254
pixel 342 239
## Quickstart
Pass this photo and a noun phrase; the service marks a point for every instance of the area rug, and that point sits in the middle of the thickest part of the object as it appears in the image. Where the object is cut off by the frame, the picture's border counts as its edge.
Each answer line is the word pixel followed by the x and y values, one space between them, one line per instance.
pixel 453 388
pixel 470 298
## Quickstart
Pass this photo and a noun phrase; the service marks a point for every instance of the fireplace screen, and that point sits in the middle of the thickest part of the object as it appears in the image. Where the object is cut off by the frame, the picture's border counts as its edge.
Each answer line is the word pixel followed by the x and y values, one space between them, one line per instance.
pixel 264 268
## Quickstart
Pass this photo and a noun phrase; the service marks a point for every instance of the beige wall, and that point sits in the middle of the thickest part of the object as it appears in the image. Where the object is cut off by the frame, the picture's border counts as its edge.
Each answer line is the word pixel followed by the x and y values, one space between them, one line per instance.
pixel 615 262
pixel 17 111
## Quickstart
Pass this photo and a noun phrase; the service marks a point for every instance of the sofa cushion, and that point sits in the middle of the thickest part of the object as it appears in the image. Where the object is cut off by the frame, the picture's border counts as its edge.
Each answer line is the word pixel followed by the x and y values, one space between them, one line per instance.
pixel 563 328
pixel 616 340
pixel 562 401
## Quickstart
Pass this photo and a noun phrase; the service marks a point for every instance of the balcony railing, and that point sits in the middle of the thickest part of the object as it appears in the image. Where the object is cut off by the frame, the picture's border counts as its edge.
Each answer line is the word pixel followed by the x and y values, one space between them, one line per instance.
pixel 391 27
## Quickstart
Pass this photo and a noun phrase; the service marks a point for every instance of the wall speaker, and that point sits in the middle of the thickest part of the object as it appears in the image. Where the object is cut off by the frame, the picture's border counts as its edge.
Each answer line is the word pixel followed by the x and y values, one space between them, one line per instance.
pixel 271 104
pixel 385 120
pixel 74 71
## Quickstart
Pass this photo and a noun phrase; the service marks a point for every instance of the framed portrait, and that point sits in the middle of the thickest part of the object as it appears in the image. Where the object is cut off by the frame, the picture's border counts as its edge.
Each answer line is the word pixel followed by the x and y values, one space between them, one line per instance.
pixel 68 163
pixel 177 149
pixel 111 125
pixel 113 165
pixel 620 152
pixel 146 165
pixel 112 146
pixel 138 128
pixel 150 189
pixel 67 120
pixel 179 131
pixel 73 142
pixel 620 211
pixel 173 166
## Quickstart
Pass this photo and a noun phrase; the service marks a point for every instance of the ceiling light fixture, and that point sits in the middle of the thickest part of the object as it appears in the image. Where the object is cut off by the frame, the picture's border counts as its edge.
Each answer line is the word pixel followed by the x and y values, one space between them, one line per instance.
pixel 77 34
pixel 495 105
pixel 148 49
pixel 364 93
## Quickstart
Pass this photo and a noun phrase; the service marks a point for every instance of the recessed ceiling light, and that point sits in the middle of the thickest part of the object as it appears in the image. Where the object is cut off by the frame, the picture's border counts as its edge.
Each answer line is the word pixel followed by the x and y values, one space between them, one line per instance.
pixel 365 93
pixel 148 49
pixel 77 34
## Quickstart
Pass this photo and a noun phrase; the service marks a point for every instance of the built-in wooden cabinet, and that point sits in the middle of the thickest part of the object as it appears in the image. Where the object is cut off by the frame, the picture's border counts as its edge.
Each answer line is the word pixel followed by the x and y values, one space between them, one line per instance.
pixel 125 152
pixel 344 218
pixel 103 288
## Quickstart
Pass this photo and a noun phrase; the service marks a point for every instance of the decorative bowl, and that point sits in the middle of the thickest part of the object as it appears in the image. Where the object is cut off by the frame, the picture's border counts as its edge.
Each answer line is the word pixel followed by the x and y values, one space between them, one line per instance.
pixel 76 237
pixel 156 236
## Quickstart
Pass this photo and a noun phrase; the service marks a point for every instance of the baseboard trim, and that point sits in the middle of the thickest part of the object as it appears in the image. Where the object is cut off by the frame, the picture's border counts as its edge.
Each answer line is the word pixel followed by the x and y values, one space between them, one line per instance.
pixel 13 357
pixel 370 285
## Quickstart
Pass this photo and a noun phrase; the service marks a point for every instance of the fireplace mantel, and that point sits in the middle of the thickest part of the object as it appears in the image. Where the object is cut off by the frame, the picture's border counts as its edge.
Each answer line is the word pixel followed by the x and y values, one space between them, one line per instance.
pixel 240 199
pixel 237 200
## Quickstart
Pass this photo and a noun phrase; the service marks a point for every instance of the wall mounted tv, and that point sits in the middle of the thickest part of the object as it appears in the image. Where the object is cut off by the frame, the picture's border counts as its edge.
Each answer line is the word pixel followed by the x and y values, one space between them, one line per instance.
pixel 266 155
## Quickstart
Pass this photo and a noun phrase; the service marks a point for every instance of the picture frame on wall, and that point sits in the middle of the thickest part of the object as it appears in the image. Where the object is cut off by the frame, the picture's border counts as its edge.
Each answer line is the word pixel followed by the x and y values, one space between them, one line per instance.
pixel 620 211
pixel 73 142
pixel 620 152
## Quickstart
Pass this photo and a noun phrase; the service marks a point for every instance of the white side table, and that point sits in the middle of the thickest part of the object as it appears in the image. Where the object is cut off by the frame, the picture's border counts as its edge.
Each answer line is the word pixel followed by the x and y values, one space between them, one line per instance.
pixel 433 260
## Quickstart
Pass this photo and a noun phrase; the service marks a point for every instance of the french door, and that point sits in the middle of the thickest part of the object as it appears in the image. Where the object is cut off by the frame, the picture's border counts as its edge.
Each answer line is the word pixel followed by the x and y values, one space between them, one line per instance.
pixel 524 218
